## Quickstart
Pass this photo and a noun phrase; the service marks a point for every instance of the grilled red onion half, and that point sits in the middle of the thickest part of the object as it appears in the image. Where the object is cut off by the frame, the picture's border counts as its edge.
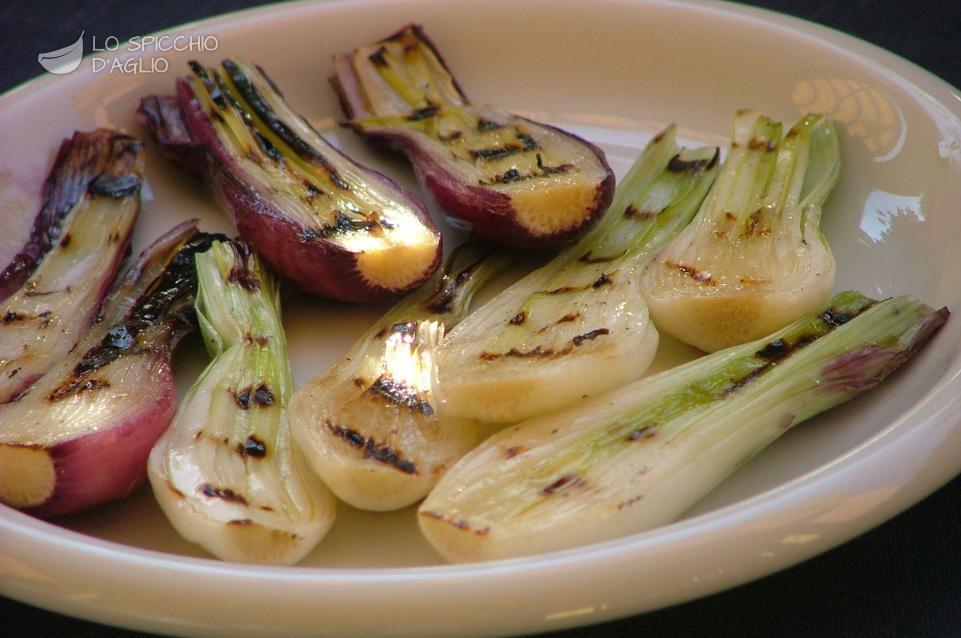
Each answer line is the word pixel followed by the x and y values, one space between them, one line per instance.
pixel 514 181
pixel 51 290
pixel 80 436
pixel 331 226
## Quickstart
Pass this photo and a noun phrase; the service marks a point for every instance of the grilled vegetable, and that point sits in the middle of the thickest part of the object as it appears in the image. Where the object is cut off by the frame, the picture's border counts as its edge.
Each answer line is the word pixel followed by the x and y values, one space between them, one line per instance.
pixel 52 288
pixel 513 180
pixel 539 345
pixel 369 425
pixel 226 473
pixel 331 226
pixel 638 457
pixel 163 117
pixel 753 259
pixel 80 436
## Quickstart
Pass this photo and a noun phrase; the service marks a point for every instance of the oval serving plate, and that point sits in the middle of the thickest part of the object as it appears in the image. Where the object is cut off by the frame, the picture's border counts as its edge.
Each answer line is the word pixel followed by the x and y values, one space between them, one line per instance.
pixel 615 72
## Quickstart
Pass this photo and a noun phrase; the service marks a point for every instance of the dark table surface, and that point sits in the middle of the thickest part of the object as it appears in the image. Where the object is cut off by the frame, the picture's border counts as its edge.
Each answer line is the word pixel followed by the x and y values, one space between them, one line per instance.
pixel 900 579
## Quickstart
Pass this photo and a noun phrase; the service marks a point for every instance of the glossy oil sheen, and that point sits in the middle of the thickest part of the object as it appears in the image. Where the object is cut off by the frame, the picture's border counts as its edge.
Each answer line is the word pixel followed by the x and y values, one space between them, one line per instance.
pixel 892 223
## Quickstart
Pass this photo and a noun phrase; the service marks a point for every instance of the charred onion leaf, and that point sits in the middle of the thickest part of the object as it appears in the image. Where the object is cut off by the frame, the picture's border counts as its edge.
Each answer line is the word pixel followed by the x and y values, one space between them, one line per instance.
pixel 52 288
pixel 514 181
pixel 369 425
pixel 226 473
pixel 639 456
pixel 331 226
pixel 539 344
pixel 80 436
pixel 753 259
pixel 163 117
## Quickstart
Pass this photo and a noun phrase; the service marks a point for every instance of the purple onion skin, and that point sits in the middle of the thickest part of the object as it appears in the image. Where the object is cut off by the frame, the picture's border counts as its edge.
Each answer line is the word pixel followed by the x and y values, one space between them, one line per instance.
pixel 316 266
pixel 489 212
pixel 87 477
pixel 78 163
pixel 867 367
pixel 161 114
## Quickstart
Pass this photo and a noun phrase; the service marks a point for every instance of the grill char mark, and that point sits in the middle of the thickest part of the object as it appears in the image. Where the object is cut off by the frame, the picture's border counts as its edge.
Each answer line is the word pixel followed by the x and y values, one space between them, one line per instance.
pixel 223 493
pixel 170 301
pixel 398 393
pixel 252 447
pixel 380 452
pixel 779 349
pixel 546 353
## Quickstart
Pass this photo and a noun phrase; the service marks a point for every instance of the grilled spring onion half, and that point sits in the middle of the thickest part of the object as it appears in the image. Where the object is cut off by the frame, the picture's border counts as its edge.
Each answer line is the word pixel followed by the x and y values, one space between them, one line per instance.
pixel 513 180
pixel 80 436
pixel 226 473
pixel 369 425
pixel 51 290
pixel 331 226
pixel 753 259
pixel 639 456
pixel 538 345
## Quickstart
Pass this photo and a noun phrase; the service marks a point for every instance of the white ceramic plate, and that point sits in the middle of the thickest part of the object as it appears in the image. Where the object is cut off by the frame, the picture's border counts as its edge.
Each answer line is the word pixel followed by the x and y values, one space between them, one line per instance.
pixel 615 72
